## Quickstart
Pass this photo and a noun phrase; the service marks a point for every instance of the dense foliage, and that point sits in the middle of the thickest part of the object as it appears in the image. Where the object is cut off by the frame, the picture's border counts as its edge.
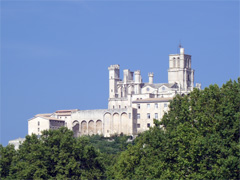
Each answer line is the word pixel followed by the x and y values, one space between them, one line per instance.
pixel 197 139
pixel 6 154
pixel 57 154
pixel 111 145
pixel 110 148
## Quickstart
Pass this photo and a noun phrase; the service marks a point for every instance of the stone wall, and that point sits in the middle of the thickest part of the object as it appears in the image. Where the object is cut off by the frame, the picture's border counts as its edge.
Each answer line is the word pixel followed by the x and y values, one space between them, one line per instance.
pixel 102 121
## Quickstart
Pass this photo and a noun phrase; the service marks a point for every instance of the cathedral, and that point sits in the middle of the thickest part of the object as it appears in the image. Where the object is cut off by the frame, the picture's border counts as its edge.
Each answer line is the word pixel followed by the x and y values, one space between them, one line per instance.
pixel 132 104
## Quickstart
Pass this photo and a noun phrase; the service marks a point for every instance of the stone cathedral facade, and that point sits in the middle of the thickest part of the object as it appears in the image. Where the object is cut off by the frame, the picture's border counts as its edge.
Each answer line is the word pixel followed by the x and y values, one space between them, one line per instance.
pixel 132 104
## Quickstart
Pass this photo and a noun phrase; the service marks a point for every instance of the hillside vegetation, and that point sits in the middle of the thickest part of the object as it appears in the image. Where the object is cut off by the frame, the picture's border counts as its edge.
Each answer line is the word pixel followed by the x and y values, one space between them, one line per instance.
pixel 197 139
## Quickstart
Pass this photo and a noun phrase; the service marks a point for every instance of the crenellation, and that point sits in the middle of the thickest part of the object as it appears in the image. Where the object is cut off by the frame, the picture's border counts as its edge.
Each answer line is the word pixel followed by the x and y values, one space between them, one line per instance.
pixel 113 67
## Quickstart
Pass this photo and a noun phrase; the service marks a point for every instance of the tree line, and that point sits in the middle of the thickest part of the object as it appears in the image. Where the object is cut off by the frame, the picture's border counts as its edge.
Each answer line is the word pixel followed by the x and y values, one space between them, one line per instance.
pixel 198 138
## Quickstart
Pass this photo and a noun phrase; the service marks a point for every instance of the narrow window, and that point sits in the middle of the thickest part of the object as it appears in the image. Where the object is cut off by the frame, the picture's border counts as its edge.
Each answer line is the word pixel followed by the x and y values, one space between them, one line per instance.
pixel 156 105
pixel 39 123
pixel 119 107
pixel 138 106
pixel 138 125
pixel 138 115
pixel 165 105
pixel 113 107
pixel 148 124
pixel 129 115
pixel 38 129
pixel 148 106
pixel 156 115
pixel 148 115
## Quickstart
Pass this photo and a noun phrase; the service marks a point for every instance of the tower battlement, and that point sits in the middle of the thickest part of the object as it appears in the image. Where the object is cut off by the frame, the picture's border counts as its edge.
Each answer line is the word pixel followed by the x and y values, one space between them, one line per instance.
pixel 137 72
pixel 114 66
pixel 151 74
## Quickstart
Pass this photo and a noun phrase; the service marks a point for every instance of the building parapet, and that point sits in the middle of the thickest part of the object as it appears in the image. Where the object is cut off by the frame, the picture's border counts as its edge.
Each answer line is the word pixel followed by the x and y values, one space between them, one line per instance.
pixel 152 100
pixel 118 99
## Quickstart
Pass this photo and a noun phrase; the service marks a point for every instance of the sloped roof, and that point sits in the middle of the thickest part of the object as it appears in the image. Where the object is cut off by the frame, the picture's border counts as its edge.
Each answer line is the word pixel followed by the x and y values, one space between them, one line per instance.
pixel 66 111
pixel 63 114
pixel 52 118
pixel 44 115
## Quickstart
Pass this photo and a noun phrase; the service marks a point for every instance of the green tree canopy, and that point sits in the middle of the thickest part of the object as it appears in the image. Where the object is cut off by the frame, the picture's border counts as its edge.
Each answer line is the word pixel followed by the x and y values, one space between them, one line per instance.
pixel 6 156
pixel 197 139
pixel 56 155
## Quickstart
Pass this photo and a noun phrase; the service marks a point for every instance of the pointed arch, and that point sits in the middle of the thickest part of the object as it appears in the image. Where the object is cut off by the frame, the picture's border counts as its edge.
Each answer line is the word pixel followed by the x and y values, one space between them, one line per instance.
pixel 125 125
pixel 116 123
pixel 84 128
pixel 99 129
pixel 107 124
pixel 91 128
pixel 75 128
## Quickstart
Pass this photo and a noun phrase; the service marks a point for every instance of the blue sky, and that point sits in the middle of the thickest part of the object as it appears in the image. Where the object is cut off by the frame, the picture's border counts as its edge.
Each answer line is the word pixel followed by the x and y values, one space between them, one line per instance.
pixel 55 54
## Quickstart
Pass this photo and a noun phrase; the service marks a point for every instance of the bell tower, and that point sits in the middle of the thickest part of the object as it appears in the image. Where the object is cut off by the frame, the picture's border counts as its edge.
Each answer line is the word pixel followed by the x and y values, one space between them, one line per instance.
pixel 180 70
pixel 114 77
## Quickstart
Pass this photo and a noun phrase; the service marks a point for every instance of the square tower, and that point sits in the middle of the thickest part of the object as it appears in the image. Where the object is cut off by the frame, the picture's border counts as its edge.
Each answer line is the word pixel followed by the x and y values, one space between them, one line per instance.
pixel 114 77
pixel 180 70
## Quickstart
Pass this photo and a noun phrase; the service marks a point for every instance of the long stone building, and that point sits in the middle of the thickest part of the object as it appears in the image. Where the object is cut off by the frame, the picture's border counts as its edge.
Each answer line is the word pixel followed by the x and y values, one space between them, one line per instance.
pixel 132 104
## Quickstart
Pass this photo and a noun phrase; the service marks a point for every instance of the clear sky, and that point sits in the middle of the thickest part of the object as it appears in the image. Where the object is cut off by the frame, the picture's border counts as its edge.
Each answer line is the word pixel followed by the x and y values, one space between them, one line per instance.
pixel 55 54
